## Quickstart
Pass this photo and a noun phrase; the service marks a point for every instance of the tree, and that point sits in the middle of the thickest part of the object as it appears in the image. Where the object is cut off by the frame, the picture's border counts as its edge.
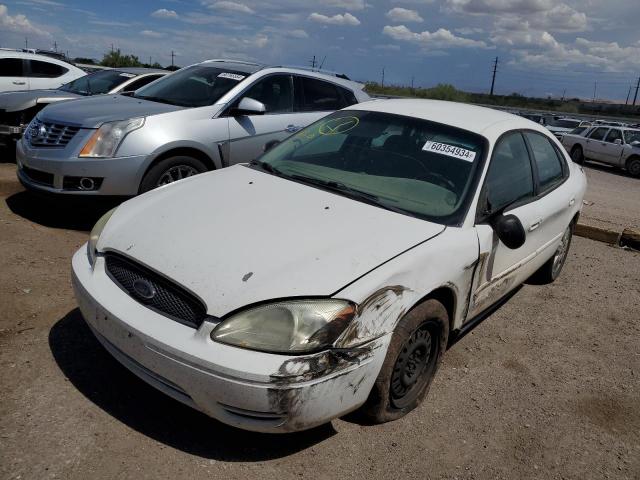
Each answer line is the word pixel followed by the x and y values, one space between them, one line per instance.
pixel 116 59
pixel 88 61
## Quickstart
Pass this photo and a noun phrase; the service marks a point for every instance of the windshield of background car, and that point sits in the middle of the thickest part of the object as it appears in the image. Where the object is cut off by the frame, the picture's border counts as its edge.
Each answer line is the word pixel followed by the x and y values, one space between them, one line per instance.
pixel 97 83
pixel 414 166
pixel 566 123
pixel 578 130
pixel 195 86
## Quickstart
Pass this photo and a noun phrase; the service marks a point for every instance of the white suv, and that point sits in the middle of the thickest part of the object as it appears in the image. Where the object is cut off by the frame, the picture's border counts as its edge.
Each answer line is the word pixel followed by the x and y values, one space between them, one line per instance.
pixel 28 71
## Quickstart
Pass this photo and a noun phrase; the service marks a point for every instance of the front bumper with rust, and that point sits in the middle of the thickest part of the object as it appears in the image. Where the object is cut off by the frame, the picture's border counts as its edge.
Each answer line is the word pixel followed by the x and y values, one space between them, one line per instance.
pixel 243 388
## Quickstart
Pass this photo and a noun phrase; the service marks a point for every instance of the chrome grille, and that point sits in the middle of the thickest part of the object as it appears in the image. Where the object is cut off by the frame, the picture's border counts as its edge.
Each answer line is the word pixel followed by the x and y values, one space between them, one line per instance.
pixel 170 299
pixel 49 134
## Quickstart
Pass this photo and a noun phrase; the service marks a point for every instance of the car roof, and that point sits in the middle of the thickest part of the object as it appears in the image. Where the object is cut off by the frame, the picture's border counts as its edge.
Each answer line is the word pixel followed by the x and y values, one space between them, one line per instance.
pixel 473 118
pixel 236 65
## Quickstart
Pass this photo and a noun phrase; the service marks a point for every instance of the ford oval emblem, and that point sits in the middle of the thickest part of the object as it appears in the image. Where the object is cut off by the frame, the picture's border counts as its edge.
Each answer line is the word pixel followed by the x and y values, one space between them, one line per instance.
pixel 144 289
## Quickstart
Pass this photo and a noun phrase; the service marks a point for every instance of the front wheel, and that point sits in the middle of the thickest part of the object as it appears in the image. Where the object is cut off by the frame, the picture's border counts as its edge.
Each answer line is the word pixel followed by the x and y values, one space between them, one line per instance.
pixel 552 268
pixel 413 357
pixel 171 170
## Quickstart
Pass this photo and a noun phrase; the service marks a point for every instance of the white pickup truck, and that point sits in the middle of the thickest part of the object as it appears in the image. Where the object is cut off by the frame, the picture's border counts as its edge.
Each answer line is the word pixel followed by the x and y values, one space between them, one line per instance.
pixel 617 146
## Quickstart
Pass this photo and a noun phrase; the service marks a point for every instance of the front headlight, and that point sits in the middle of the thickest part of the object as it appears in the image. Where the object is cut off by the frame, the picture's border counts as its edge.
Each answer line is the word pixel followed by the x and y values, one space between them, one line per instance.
pixel 94 236
pixel 105 141
pixel 293 326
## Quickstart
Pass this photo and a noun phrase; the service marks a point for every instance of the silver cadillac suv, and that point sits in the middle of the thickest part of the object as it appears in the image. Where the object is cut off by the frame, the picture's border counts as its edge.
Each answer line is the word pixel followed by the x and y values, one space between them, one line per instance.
pixel 203 117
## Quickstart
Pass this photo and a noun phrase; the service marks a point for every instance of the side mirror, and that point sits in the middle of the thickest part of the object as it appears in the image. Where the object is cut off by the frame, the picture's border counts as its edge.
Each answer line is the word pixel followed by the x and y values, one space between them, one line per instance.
pixel 509 230
pixel 270 144
pixel 249 106
pixel 617 141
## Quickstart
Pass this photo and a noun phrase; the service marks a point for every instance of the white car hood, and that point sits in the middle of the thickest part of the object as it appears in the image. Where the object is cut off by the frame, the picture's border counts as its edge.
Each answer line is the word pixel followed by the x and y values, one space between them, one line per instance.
pixel 239 236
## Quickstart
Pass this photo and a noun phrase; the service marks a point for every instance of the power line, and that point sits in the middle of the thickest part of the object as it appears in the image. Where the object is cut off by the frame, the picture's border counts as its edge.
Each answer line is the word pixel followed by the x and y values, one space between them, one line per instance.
pixel 636 94
pixel 493 78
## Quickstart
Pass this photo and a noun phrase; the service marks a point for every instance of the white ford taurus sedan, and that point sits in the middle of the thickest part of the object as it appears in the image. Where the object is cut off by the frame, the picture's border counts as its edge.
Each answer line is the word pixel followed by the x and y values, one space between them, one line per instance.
pixel 333 272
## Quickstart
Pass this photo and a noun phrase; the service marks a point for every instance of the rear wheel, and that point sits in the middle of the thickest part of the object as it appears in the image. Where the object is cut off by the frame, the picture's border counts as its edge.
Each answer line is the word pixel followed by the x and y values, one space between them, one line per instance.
pixel 413 357
pixel 577 155
pixel 633 166
pixel 171 170
pixel 552 268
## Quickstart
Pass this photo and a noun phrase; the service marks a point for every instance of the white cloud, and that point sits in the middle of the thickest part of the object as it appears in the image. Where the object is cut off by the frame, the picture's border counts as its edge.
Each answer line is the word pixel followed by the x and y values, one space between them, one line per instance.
pixel 338 19
pixel 151 34
pixel 18 23
pixel 298 33
pixel 441 38
pixel 164 13
pixel 232 7
pixel 403 15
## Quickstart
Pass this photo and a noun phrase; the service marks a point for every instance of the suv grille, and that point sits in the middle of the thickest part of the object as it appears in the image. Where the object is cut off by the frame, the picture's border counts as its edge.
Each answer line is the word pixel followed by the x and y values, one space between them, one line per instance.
pixel 168 299
pixel 46 134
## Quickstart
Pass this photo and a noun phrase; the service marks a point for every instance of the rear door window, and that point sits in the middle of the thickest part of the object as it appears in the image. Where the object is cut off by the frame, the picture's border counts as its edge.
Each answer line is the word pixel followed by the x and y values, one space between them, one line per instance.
pixel 547 161
pixel 320 96
pixel 11 67
pixel 45 69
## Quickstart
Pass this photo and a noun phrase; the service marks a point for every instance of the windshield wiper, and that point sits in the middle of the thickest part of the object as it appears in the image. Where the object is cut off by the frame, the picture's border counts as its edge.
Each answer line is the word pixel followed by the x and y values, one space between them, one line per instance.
pixel 340 187
pixel 267 167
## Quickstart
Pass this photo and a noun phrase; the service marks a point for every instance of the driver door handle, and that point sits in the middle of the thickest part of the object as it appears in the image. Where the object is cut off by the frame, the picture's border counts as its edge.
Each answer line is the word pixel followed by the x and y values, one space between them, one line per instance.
pixel 535 225
pixel 19 83
pixel 292 128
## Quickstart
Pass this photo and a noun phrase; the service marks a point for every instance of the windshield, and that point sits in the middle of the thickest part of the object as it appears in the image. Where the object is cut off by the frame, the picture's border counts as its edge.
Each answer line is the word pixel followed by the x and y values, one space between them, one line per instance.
pixel 579 130
pixel 97 83
pixel 195 86
pixel 631 136
pixel 413 166
pixel 565 123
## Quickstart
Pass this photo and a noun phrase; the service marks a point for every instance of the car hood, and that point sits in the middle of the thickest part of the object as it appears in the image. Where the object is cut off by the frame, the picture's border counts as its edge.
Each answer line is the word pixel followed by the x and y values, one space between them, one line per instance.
pixel 239 236
pixel 91 112
pixel 18 101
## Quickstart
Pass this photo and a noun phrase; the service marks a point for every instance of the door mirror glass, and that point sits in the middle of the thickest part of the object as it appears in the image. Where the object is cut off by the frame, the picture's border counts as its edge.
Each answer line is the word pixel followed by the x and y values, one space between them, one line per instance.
pixel 509 230
pixel 249 106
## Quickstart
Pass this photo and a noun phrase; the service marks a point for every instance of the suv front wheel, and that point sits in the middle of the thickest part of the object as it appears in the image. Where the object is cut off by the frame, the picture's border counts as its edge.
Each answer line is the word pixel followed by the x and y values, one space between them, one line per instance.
pixel 171 170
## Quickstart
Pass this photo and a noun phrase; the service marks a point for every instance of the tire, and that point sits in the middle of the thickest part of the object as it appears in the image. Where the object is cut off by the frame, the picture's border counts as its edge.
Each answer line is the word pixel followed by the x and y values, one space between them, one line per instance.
pixel 577 155
pixel 413 357
pixel 169 170
pixel 633 166
pixel 550 271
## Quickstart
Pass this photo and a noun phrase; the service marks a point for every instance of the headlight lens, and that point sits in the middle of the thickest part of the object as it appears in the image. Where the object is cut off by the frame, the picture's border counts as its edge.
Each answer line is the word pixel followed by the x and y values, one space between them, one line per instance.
pixel 287 327
pixel 105 141
pixel 94 236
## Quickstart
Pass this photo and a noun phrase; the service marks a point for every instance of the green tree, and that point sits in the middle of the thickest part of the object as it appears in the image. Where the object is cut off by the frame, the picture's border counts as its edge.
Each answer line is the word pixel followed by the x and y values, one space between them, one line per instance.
pixel 117 59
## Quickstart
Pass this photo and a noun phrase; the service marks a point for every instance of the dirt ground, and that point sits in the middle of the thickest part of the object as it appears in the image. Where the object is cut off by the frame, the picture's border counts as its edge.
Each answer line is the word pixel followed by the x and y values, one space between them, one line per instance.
pixel 612 199
pixel 547 387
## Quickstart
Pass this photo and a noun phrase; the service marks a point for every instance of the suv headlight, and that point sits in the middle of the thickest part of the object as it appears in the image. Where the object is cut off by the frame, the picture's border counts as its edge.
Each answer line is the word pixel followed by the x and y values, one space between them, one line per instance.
pixel 105 140
pixel 292 326
pixel 94 236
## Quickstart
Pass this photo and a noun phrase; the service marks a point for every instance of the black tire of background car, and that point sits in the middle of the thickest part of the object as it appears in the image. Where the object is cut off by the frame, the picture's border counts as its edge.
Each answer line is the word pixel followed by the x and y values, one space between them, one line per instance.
pixel 633 166
pixel 577 155
pixel 150 179
pixel 381 406
pixel 545 274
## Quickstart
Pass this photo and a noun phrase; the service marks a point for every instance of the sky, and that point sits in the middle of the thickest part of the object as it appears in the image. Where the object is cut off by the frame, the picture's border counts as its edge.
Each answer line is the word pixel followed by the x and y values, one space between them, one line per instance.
pixel 544 47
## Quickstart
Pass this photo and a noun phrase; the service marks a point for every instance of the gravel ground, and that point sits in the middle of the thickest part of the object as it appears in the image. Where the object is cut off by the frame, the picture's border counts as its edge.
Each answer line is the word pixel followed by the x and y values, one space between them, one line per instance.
pixel 547 387
pixel 612 198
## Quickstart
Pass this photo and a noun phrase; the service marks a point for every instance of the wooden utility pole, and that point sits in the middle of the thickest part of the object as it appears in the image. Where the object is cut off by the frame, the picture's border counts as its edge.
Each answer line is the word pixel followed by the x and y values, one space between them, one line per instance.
pixel 493 77
pixel 595 89
pixel 313 63
pixel 635 97
pixel 382 77
pixel 626 102
pixel 173 55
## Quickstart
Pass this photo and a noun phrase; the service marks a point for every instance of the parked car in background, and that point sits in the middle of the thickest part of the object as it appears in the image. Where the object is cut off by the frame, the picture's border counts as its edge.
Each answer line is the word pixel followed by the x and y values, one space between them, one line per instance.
pixel 28 71
pixel 203 117
pixel 616 146
pixel 561 126
pixel 17 109
pixel 535 117
pixel 334 271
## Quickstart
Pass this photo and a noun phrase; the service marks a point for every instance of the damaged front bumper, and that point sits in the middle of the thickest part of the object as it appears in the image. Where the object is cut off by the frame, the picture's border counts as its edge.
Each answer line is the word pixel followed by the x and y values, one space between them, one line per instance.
pixel 243 388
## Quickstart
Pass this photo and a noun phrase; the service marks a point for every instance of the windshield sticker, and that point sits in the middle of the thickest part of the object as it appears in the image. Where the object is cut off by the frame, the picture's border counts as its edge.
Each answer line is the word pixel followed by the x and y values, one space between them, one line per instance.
pixel 231 76
pixel 128 75
pixel 449 150
pixel 336 126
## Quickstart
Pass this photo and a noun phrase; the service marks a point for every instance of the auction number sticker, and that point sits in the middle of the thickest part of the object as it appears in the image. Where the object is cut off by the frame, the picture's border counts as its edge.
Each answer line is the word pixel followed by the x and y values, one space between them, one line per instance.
pixel 449 150
pixel 231 76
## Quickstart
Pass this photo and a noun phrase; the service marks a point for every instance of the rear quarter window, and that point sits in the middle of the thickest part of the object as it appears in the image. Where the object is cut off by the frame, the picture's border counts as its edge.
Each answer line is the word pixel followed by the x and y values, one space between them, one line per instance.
pixel 42 69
